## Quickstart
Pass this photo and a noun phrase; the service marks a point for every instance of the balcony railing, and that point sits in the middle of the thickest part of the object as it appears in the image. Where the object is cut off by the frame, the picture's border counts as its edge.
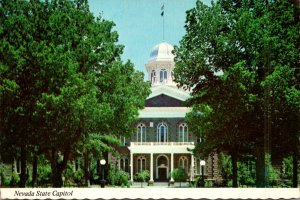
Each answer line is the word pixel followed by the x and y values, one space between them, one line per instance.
pixel 160 143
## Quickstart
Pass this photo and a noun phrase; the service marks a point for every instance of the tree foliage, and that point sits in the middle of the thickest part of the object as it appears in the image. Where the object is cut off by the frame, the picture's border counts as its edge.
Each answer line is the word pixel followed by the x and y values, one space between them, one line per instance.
pixel 232 57
pixel 62 80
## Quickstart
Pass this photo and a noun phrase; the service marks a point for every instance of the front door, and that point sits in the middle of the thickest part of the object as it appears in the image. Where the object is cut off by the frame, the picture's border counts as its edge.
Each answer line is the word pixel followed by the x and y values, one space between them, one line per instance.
pixel 162 174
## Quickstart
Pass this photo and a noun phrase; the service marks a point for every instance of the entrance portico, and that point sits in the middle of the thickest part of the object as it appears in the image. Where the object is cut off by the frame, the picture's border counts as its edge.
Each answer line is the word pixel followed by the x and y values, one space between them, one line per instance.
pixel 160 158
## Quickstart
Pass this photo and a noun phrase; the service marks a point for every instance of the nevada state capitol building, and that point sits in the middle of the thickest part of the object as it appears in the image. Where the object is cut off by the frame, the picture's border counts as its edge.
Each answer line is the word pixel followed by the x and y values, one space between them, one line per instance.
pixel 162 138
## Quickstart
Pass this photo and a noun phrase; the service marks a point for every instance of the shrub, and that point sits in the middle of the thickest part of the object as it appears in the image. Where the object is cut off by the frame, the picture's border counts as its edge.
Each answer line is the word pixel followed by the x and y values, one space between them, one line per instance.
pixel 6 181
pixel 274 176
pixel 179 175
pixel 245 176
pixel 78 176
pixel 44 171
pixel 142 176
pixel 15 179
pixel 118 177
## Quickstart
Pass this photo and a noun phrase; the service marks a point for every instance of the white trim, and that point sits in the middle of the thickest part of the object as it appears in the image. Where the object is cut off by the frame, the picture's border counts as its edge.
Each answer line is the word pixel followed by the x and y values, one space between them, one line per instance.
pixel 161 148
pixel 167 166
pixel 131 166
pixel 164 112
pixel 169 91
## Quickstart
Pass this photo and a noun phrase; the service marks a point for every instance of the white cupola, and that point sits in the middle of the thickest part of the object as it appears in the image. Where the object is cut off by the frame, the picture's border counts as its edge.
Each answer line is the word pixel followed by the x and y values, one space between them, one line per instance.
pixel 160 65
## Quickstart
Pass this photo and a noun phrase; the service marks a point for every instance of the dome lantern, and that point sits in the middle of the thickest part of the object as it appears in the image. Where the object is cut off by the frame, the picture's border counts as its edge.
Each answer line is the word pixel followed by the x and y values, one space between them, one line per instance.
pixel 160 65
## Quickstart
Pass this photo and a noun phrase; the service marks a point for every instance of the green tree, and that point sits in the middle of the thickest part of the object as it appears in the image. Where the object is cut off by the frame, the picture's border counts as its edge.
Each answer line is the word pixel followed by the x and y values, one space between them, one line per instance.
pixel 62 70
pixel 248 37
pixel 222 123
pixel 284 100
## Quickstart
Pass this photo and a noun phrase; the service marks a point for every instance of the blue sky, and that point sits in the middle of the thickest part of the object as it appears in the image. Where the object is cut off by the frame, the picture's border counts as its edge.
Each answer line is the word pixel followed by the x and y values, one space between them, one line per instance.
pixel 140 25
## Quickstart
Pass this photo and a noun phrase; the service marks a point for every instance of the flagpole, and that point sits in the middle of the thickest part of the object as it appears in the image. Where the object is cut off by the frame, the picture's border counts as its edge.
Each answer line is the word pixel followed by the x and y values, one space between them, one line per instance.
pixel 163 15
pixel 164 27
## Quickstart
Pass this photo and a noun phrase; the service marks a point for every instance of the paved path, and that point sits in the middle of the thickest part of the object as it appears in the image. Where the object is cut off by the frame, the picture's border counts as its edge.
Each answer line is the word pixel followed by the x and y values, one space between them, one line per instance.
pixel 156 185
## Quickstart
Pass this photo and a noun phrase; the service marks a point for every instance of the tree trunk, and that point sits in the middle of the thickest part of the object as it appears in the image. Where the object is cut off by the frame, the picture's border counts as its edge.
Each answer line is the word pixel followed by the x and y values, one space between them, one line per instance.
pixel 260 169
pixel 23 167
pixel 86 169
pixel 34 169
pixel 57 179
pixel 234 170
pixel 58 168
pixel 295 170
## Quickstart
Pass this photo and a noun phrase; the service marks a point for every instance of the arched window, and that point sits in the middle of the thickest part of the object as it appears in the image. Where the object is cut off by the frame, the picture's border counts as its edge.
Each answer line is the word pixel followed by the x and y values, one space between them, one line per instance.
pixel 141 163
pixel 183 162
pixel 183 133
pixel 162 133
pixel 163 75
pixel 141 133
pixel 124 164
pixel 153 76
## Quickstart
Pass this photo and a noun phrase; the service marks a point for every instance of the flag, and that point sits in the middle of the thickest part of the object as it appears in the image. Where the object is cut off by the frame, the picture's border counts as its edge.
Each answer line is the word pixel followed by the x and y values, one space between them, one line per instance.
pixel 162 8
pixel 162 13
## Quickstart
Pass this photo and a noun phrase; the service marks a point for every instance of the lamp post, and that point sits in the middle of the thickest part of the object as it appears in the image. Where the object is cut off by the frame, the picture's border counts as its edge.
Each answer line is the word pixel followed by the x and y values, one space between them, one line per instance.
pixel 202 164
pixel 102 182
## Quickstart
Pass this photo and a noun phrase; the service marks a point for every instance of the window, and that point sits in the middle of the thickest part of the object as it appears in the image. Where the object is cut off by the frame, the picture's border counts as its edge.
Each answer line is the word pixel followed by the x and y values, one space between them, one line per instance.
pixel 163 75
pixel 141 133
pixel 183 162
pixel 124 164
pixel 141 164
pixel 153 76
pixel 183 133
pixel 162 133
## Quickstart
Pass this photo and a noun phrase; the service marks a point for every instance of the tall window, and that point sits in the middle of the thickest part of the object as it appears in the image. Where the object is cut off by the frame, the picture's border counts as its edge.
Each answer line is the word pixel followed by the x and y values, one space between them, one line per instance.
pixel 124 164
pixel 141 163
pixel 141 133
pixel 183 133
pixel 183 162
pixel 162 133
pixel 153 76
pixel 163 75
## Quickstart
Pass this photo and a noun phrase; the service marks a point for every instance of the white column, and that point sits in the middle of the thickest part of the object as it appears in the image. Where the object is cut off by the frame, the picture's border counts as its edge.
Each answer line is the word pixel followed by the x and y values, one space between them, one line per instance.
pixel 192 167
pixel 172 165
pixel 151 167
pixel 131 167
